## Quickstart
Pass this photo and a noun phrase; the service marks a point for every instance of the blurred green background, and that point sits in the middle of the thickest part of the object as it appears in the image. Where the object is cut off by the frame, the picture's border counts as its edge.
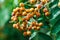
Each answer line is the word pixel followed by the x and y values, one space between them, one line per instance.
pixel 7 32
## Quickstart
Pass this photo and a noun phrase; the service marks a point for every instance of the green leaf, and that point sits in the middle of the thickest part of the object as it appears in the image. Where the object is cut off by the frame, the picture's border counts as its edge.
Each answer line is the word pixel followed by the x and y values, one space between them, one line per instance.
pixel 41 36
pixel 58 36
pixel 55 18
pixel 53 2
pixel 56 28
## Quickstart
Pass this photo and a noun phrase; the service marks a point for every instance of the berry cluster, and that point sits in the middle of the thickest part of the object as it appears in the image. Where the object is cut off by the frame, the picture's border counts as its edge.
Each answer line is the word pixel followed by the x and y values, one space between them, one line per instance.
pixel 26 15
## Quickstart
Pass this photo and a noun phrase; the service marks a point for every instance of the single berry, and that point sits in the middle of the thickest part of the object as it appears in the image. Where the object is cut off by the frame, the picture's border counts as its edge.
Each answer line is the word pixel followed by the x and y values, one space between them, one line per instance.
pixel 47 14
pixel 28 33
pixel 21 4
pixel 38 14
pixel 40 24
pixel 25 33
pixel 45 10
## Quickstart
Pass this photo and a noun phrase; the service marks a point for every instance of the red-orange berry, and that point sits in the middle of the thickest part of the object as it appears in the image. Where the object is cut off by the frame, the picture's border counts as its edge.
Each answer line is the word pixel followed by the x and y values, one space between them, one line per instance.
pixel 39 6
pixel 25 33
pixel 45 10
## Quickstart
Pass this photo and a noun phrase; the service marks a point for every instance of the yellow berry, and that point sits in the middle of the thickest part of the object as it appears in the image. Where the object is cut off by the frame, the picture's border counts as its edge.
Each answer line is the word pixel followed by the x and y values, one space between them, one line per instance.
pixel 58 4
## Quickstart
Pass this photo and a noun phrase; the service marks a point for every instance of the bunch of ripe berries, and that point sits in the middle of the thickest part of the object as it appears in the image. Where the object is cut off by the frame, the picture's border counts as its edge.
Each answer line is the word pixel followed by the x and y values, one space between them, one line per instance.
pixel 26 15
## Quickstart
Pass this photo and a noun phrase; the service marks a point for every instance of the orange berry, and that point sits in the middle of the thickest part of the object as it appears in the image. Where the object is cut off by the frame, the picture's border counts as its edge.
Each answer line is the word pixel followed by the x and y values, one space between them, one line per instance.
pixel 15 19
pixel 18 24
pixel 29 28
pixel 32 1
pixel 25 33
pixel 37 14
pixel 25 23
pixel 40 24
pixel 28 33
pixel 22 9
pixel 45 10
pixel 43 1
pixel 47 14
pixel 39 6
pixel 37 24
pixel 38 28
pixel 17 14
pixel 33 23
pixel 21 28
pixel 27 18
pixel 15 26
pixel 21 4
pixel 24 13
pixel 29 15
pixel 34 27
